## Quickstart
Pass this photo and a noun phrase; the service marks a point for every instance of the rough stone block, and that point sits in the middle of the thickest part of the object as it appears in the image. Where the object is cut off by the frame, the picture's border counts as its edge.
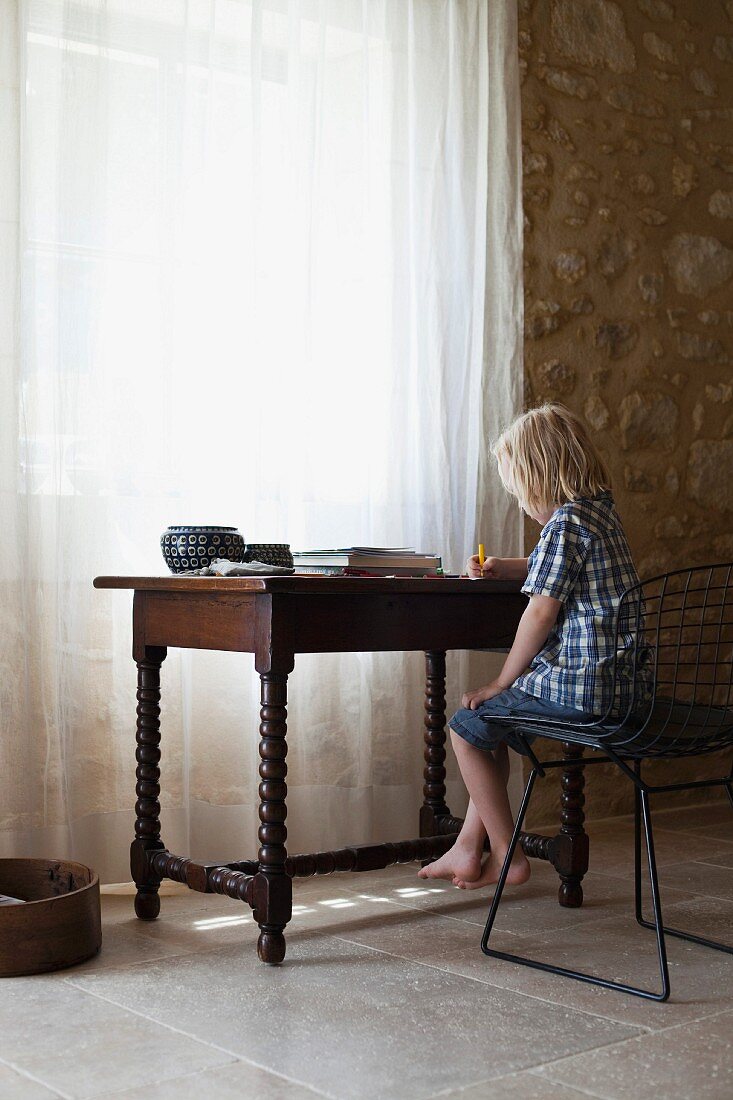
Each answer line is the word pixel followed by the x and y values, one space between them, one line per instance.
pixel 628 99
pixel 615 253
pixel 702 82
pixel 703 349
pixel 593 33
pixel 555 378
pixel 659 48
pixel 657 9
pixel 569 266
pixel 721 204
pixel 698 264
pixel 596 413
pixel 648 420
pixel 618 337
pixel 710 474
pixel 651 286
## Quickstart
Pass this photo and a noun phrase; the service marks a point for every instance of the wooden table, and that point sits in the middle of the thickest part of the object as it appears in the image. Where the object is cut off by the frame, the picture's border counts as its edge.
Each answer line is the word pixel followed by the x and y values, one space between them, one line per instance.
pixel 274 618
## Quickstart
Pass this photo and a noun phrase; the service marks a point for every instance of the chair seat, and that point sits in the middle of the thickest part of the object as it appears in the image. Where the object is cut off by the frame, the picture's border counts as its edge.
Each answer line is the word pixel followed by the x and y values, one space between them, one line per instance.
pixel 673 729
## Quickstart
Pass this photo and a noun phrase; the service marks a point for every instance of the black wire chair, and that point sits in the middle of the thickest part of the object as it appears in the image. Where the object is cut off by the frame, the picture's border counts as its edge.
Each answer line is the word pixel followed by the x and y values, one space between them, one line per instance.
pixel 673 670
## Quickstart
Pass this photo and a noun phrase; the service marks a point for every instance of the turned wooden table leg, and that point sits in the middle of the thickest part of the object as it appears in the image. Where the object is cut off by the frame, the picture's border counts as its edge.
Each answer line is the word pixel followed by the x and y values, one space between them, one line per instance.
pixel 434 805
pixel 147 808
pixel 573 840
pixel 272 888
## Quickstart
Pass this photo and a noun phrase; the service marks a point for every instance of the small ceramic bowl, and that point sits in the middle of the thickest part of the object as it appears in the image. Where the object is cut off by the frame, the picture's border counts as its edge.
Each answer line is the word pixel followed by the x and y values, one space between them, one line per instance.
pixel 194 547
pixel 271 553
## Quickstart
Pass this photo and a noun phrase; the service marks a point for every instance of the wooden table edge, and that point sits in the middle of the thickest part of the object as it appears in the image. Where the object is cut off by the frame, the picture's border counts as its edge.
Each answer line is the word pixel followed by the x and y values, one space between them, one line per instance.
pixel 307 583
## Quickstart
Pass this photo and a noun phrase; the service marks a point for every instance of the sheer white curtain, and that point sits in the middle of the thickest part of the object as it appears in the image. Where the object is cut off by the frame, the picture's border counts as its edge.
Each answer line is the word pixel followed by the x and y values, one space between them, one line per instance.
pixel 244 281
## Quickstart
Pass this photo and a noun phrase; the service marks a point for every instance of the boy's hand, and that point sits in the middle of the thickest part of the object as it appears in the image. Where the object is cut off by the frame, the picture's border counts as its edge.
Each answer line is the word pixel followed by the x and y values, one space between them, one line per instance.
pixel 493 568
pixel 472 699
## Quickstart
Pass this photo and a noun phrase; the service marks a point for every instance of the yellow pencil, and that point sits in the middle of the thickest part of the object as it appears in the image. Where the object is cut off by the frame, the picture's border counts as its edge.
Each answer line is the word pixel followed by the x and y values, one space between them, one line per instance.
pixel 481 555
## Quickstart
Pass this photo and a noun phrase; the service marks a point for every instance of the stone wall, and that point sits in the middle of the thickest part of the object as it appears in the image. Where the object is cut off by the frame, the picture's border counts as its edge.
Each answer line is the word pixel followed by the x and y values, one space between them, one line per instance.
pixel 627 120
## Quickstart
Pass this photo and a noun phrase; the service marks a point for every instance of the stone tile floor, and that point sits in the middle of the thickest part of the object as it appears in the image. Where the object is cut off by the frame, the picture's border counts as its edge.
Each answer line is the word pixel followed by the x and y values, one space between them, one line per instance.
pixel 385 993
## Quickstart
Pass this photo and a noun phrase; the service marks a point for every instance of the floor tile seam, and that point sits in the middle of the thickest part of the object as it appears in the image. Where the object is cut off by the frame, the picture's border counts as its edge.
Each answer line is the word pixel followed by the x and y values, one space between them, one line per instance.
pixel 53 1089
pixel 616 818
pixel 544 929
pixel 710 863
pixel 667 888
pixel 642 1030
pixel 155 939
pixel 697 896
pixel 701 832
pixel 606 875
pixel 705 1018
pixel 202 1072
pixel 404 903
pixel 170 958
pixel 664 861
pixel 449 1093
pixel 508 931
pixel 547 1077
pixel 624 851
pixel 148 959
pixel 547 1066
pixel 152 1019
pixel 193 908
pixel 544 1069
pixel 690 833
pixel 587 921
pixel 233 1055
pixel 583 1091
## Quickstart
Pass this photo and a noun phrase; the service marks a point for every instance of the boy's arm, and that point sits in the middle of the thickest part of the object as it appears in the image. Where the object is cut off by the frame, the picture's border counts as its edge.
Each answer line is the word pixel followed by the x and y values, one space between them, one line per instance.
pixel 538 619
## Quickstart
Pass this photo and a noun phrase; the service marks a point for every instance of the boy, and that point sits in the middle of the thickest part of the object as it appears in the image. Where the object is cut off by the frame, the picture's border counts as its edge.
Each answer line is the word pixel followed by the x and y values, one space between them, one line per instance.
pixel 564 656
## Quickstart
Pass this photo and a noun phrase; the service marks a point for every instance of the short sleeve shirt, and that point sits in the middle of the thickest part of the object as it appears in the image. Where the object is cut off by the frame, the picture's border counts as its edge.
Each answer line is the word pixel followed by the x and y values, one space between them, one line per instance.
pixel 583 559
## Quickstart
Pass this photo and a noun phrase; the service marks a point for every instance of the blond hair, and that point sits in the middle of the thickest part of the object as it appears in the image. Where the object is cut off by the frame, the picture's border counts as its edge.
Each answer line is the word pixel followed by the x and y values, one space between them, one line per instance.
pixel 550 459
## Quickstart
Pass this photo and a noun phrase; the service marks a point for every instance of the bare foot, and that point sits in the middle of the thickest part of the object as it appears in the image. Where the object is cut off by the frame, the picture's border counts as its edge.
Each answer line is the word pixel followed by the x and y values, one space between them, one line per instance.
pixel 519 872
pixel 462 863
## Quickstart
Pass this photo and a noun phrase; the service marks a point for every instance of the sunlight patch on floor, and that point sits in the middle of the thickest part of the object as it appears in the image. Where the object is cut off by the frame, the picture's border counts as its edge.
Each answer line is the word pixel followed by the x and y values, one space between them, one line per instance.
pixel 219 922
pixel 418 891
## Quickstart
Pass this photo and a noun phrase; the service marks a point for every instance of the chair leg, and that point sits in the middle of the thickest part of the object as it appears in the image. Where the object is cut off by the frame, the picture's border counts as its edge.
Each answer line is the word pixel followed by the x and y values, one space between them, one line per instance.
pixel 658 925
pixel 701 940
pixel 506 865
pixel 577 974
pixel 638 903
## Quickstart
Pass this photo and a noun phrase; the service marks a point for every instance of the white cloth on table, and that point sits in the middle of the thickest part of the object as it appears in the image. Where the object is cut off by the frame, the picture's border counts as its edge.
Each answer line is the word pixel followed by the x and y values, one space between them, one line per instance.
pixel 222 567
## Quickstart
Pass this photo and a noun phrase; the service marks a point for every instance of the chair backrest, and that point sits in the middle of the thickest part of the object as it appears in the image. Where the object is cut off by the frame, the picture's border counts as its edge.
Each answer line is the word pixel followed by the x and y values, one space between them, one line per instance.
pixel 676 632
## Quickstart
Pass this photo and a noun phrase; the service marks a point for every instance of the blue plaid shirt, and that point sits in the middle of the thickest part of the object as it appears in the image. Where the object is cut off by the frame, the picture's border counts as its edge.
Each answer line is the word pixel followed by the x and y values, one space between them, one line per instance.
pixel 582 559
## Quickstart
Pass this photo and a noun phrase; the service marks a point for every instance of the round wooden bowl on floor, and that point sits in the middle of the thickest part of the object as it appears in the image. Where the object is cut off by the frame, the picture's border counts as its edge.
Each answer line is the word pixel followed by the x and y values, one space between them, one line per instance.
pixel 59 925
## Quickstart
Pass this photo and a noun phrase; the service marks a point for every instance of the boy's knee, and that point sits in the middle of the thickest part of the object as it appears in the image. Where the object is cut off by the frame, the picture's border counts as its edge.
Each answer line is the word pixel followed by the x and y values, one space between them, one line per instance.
pixel 455 737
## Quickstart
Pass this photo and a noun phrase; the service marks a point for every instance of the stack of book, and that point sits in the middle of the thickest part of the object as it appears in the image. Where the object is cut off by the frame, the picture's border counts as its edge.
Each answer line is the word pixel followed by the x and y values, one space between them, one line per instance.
pixel 368 561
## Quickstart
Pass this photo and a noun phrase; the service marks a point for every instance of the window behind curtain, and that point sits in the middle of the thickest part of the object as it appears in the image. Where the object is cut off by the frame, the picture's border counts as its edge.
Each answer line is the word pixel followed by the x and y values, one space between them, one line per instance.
pixel 252 245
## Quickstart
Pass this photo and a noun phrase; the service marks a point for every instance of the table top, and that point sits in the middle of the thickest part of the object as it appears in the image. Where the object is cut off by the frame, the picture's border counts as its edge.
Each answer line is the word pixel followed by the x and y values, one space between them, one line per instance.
pixel 311 583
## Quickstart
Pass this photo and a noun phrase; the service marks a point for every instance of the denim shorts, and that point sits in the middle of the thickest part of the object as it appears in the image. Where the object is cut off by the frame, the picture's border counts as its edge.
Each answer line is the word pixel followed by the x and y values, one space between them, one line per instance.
pixel 476 727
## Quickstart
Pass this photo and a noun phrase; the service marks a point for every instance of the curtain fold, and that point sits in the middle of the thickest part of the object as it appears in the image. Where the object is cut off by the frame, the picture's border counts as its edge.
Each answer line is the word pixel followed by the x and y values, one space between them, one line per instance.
pixel 244 249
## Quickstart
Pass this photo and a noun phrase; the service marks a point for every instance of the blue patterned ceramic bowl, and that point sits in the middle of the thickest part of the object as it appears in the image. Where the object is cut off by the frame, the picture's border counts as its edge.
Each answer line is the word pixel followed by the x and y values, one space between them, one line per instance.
pixel 271 553
pixel 194 547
